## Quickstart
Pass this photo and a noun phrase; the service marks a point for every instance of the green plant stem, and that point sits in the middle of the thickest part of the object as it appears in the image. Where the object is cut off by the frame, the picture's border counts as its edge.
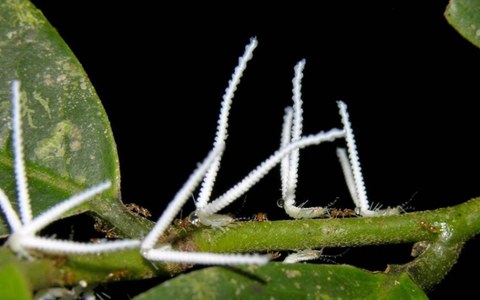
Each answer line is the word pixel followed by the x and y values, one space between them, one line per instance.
pixel 460 221
pixel 445 230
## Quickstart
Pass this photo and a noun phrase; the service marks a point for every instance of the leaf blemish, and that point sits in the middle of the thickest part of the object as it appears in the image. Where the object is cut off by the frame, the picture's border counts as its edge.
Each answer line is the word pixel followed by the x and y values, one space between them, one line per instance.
pixel 65 137
pixel 292 273
pixel 43 102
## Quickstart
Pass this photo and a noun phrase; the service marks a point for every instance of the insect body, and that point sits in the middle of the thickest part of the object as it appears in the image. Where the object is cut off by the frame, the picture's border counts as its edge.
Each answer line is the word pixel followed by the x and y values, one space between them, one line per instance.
pixel 342 213
pixel 135 208
pixel 260 217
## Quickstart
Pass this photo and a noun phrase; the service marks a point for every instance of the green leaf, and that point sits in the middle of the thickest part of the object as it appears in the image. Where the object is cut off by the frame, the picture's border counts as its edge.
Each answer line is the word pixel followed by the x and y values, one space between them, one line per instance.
pixel 464 16
pixel 285 281
pixel 68 141
pixel 12 284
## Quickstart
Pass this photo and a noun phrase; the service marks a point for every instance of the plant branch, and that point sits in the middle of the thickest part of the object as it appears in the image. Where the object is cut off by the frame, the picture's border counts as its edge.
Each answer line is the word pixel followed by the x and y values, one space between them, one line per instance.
pixel 445 231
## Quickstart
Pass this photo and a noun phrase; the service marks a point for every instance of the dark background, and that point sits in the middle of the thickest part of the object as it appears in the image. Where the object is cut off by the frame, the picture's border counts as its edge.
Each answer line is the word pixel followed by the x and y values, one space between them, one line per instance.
pixel 404 72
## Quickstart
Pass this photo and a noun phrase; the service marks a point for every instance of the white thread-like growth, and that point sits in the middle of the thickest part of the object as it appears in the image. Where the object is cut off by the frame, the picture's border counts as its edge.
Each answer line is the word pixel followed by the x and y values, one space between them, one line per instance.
pixel 353 174
pixel 209 168
pixel 20 175
pixel 12 217
pixel 292 132
pixel 297 126
pixel 258 173
pixel 23 238
pixel 179 200
pixel 23 230
pixel 165 252
pixel 348 174
pixel 354 160
pixel 69 247
pixel 222 125
pixel 59 209
pixel 168 255
pixel 285 140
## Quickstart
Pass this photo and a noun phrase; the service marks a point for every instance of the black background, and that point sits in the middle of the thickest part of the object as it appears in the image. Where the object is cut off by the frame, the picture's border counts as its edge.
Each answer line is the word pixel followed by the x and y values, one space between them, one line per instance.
pixel 409 80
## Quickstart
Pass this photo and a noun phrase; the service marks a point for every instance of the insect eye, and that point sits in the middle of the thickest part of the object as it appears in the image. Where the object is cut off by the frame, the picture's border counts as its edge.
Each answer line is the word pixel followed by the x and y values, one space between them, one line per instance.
pixel 280 203
pixel 193 218
pixel 357 210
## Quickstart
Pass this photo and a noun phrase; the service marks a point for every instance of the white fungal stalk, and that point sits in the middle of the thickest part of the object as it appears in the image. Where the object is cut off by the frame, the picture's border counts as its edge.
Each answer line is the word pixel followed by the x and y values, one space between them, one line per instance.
pixel 58 210
pixel 165 252
pixel 288 154
pixel 297 126
pixel 292 125
pixel 12 217
pixel 360 196
pixel 284 141
pixel 206 212
pixel 179 200
pixel 19 162
pixel 222 125
pixel 258 173
pixel 348 174
pixel 23 232
pixel 353 173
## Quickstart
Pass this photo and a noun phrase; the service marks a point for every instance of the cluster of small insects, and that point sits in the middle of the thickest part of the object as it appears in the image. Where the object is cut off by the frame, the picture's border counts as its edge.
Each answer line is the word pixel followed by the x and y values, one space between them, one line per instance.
pixel 137 209
pixel 107 230
pixel 24 230
pixel 425 225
